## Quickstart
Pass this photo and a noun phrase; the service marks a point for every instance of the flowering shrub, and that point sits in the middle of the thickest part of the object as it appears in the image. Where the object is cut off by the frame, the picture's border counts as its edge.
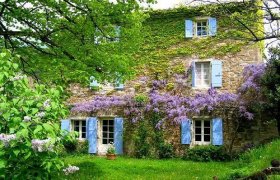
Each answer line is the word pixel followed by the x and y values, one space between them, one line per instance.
pixel 29 124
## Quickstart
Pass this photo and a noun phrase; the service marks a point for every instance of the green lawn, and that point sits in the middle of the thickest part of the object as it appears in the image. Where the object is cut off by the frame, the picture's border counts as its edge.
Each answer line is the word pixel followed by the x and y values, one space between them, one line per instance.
pixel 92 167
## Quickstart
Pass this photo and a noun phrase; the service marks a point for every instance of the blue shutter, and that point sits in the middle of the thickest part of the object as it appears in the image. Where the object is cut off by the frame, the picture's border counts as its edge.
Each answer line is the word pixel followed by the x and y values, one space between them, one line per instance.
pixel 93 82
pixel 217 131
pixel 186 131
pixel 66 125
pixel 118 33
pixel 188 28
pixel 118 135
pixel 92 134
pixel 119 85
pixel 193 73
pixel 216 77
pixel 212 26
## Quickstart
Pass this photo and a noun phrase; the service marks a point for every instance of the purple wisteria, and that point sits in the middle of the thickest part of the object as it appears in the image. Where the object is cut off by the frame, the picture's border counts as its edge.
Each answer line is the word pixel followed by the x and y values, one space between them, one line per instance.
pixel 178 107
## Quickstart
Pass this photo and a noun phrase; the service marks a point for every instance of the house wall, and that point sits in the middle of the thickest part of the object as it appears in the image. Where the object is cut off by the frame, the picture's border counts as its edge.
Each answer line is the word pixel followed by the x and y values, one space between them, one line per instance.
pixel 166 52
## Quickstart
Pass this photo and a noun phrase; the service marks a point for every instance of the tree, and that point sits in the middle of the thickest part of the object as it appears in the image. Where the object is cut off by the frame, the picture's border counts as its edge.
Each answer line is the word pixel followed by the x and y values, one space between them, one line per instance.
pixel 271 86
pixel 70 40
pixel 266 18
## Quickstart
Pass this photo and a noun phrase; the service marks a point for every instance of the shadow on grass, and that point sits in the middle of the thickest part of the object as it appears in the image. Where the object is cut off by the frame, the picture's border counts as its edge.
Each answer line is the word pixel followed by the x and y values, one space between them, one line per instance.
pixel 87 170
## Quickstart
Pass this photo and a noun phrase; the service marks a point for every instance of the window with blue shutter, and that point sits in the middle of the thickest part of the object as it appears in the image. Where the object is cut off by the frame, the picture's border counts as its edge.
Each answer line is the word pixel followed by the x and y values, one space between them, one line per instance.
pixel 66 125
pixel 186 131
pixel 92 135
pixel 217 131
pixel 212 26
pixel 216 77
pixel 188 28
pixel 118 135
pixel 193 73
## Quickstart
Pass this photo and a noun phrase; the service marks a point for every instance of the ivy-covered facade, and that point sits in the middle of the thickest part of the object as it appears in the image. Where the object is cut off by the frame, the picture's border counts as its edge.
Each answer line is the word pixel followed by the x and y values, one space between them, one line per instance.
pixel 185 52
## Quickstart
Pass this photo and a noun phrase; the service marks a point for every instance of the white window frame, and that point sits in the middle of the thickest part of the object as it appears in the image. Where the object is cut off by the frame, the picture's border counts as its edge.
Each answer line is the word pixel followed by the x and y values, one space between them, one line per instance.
pixel 108 131
pixel 202 74
pixel 80 136
pixel 196 27
pixel 202 142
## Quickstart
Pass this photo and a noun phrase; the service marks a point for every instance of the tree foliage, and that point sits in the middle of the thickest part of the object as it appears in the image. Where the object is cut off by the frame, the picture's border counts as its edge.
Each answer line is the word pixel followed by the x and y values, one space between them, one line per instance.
pixel 70 40
pixel 29 125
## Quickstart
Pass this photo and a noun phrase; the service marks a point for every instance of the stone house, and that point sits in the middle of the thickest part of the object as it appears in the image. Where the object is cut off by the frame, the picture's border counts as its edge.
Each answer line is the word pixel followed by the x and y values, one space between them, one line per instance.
pixel 179 41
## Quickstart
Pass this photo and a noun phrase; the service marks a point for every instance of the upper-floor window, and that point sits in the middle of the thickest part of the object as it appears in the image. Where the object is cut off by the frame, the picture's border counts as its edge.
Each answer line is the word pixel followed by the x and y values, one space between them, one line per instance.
pixel 200 27
pixel 207 74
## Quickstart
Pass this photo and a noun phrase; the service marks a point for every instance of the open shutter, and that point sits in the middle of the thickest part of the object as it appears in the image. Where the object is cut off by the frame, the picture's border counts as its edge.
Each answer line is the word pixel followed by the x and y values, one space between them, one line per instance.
pixel 118 33
pixel 66 125
pixel 188 28
pixel 193 74
pixel 216 77
pixel 186 131
pixel 92 134
pixel 217 131
pixel 118 135
pixel 119 85
pixel 212 26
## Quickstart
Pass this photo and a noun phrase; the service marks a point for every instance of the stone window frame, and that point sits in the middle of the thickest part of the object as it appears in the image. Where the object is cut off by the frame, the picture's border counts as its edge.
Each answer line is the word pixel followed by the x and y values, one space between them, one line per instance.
pixel 202 142
pixel 82 134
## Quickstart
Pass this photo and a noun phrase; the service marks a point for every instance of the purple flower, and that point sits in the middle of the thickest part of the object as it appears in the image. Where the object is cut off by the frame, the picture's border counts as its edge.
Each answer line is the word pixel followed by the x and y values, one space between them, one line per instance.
pixel 6 138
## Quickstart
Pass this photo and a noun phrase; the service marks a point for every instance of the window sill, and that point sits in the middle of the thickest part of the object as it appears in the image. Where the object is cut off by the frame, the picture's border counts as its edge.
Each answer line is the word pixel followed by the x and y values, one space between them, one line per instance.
pixel 201 87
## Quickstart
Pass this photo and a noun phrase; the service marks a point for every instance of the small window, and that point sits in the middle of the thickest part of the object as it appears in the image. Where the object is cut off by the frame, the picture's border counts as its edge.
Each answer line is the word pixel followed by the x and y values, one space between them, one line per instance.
pixel 80 127
pixel 202 132
pixel 202 74
pixel 107 131
pixel 202 28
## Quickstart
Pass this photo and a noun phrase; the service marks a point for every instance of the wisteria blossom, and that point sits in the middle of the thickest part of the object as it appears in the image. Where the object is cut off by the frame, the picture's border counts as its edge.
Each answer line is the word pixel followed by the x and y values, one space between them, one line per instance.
pixel 6 138
pixel 70 170
pixel 42 145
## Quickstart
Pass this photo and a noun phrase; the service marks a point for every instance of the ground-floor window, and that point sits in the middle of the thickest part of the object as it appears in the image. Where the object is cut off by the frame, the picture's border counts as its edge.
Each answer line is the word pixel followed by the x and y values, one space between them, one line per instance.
pixel 202 132
pixel 80 127
pixel 107 131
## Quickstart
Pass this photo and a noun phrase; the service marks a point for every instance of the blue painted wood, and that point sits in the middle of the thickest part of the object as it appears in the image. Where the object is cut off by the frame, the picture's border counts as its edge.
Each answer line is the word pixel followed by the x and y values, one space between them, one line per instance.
pixel 118 135
pixel 93 82
pixel 188 28
pixel 217 73
pixel 193 74
pixel 119 85
pixel 212 26
pixel 92 134
pixel 217 131
pixel 66 125
pixel 186 131
pixel 118 33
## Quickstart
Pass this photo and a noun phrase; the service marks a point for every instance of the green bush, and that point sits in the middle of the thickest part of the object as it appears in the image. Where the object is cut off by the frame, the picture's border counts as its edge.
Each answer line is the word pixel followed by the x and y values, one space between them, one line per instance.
pixel 165 151
pixel 70 143
pixel 206 153
pixel 82 147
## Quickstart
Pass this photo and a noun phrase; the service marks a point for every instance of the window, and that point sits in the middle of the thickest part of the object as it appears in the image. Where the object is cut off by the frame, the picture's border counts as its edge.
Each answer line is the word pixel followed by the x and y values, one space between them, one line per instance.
pixel 207 74
pixel 202 132
pixel 107 131
pixel 202 74
pixel 202 28
pixel 80 127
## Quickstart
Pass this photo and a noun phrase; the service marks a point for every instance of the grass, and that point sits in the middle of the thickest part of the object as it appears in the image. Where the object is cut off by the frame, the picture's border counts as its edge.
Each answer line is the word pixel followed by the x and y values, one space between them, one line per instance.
pixel 92 167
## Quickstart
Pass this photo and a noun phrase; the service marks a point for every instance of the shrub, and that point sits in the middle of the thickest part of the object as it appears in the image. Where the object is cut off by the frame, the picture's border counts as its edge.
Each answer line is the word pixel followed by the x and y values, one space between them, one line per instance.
pixel 206 153
pixel 82 147
pixel 29 126
pixel 165 151
pixel 70 143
